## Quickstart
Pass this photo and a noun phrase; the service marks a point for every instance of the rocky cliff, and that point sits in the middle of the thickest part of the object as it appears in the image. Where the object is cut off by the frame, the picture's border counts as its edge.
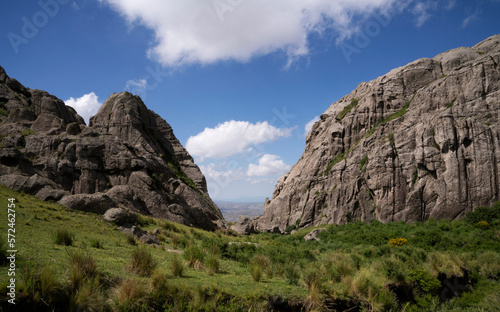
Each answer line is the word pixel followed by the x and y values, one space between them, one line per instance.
pixel 420 142
pixel 128 156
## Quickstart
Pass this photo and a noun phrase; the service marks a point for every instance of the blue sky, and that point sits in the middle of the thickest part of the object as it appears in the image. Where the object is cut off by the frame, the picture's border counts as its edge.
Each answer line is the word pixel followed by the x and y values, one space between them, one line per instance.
pixel 238 80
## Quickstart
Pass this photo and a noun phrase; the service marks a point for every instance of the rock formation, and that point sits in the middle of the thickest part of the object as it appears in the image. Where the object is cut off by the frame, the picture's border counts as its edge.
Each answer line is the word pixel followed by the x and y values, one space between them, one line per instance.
pixel 420 142
pixel 128 156
pixel 244 227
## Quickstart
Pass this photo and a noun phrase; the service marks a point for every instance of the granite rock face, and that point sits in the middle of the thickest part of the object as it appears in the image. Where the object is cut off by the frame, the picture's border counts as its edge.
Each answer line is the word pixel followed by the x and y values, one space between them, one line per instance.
pixel 244 227
pixel 420 142
pixel 128 156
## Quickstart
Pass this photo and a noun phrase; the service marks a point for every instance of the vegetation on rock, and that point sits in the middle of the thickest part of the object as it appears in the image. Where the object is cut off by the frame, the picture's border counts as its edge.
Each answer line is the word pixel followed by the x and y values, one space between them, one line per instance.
pixel 439 265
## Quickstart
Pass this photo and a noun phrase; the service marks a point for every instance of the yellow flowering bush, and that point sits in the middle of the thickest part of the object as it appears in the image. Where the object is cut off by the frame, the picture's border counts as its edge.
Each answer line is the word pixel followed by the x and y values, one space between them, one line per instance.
pixel 483 224
pixel 398 241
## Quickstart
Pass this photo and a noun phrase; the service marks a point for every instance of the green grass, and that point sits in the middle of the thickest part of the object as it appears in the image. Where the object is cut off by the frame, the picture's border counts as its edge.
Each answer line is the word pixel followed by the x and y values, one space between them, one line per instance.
pixel 27 131
pixel 347 109
pixel 353 264
pixel 340 157
pixel 63 237
pixel 391 117
pixel 141 262
pixel 451 103
pixel 4 112
pixel 363 163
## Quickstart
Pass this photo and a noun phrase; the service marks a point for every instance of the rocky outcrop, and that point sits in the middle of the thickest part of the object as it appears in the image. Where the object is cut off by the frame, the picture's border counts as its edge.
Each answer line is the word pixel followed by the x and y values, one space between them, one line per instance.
pixel 313 235
pixel 139 234
pixel 120 216
pixel 420 142
pixel 128 156
pixel 244 227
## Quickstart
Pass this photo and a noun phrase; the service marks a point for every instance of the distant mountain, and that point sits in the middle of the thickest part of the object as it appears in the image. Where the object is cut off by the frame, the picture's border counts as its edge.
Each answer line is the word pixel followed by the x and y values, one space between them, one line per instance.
pixel 232 211
pixel 127 156
pixel 422 141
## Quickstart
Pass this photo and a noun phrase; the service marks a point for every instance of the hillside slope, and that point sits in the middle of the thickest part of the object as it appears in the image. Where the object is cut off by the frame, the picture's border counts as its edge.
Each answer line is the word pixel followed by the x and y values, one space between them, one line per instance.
pixel 420 142
pixel 127 156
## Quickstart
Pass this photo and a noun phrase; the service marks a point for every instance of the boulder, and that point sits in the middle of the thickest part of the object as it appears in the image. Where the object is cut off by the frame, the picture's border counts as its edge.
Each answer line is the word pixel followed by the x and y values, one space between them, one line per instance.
pixel 97 203
pixel 139 234
pixel 244 226
pixel 120 216
pixel 73 128
pixel 313 235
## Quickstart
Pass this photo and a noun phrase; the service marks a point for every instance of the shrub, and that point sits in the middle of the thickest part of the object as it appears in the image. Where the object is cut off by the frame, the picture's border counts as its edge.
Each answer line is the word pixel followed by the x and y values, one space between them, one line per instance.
pixel 141 262
pixel 158 279
pixel 291 271
pixel 240 252
pixel 289 228
pixel 89 297
pixel 488 264
pixel 261 260
pixel 260 264
pixel 39 285
pixel 214 245
pixel 212 264
pixel 394 269
pixel 194 256
pixel 447 263
pixel 95 243
pixel 484 214
pixel 63 237
pixel 82 267
pixel 483 225
pixel 256 272
pixel 49 284
pixel 162 238
pixel 131 240
pixel 128 295
pixel 398 241
pixel 338 266
pixel 369 286
pixel 176 266
pixel 169 226
pixel 313 276
pixel 143 220
pixel 425 281
pixel 174 238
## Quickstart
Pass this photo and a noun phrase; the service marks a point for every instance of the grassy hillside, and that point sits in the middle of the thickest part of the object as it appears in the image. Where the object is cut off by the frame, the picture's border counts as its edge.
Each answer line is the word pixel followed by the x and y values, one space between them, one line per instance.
pixel 74 261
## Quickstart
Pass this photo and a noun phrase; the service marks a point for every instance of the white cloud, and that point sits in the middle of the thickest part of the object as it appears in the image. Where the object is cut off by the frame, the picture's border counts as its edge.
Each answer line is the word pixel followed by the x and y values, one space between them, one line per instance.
pixel 268 165
pixel 86 106
pixel 223 172
pixel 136 86
pixel 262 181
pixel 421 11
pixel 310 124
pixel 472 17
pixel 204 32
pixel 451 4
pixel 232 137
